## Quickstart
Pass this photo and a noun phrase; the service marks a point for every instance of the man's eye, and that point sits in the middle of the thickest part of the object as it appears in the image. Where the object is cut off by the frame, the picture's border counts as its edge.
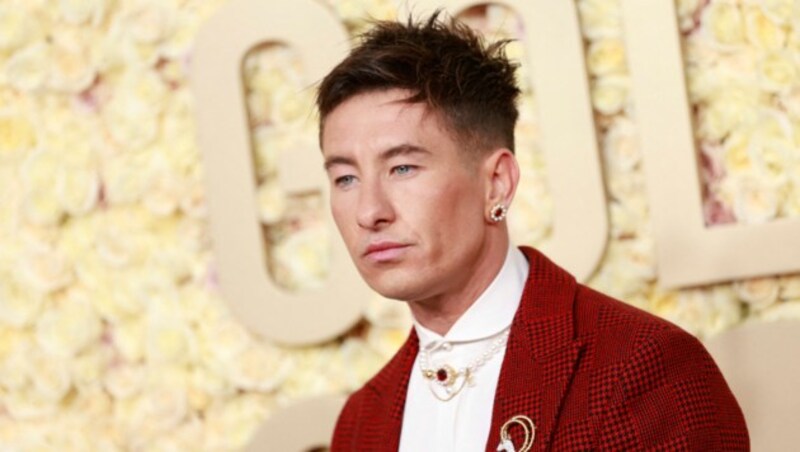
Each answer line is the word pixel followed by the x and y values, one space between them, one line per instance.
pixel 344 181
pixel 403 169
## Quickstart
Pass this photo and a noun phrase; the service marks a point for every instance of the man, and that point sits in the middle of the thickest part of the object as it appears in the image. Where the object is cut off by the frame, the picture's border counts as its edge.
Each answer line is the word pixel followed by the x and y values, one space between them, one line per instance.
pixel 507 352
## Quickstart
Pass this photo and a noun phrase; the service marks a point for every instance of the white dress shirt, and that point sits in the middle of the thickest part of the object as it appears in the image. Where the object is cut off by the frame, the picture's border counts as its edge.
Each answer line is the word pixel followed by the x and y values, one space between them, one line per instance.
pixel 462 423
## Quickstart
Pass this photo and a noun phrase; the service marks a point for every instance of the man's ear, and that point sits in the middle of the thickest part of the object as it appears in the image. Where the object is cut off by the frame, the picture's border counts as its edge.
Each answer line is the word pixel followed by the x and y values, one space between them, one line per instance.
pixel 501 173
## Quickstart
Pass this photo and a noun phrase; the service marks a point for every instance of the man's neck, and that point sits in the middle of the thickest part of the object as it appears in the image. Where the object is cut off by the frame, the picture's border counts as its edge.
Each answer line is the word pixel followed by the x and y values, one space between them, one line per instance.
pixel 439 313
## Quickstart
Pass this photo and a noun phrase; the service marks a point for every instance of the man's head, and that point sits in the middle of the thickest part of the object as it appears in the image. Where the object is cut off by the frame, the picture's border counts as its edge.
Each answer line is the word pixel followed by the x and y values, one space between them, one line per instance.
pixel 444 65
pixel 417 131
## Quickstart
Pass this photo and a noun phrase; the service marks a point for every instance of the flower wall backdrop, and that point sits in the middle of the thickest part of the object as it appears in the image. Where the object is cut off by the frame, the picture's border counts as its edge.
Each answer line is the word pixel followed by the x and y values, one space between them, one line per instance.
pixel 113 333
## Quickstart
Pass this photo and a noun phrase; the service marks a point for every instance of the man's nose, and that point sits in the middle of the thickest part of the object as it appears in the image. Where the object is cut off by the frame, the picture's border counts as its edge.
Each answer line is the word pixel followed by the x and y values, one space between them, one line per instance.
pixel 374 208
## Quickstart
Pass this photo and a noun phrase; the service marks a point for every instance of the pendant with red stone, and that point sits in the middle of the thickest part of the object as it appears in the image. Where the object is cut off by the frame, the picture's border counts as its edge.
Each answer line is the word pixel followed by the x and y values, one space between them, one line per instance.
pixel 444 375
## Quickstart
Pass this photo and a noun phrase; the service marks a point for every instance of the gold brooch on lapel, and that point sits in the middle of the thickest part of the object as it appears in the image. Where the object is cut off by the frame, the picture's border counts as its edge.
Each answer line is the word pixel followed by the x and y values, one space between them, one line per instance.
pixel 505 437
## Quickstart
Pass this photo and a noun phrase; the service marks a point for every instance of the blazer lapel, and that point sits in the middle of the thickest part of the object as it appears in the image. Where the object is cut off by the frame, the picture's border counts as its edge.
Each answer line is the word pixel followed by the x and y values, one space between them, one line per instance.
pixel 541 355
pixel 389 388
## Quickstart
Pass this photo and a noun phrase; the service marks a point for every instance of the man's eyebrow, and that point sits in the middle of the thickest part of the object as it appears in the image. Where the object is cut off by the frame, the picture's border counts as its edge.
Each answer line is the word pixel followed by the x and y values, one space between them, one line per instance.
pixel 403 149
pixel 338 160
pixel 394 151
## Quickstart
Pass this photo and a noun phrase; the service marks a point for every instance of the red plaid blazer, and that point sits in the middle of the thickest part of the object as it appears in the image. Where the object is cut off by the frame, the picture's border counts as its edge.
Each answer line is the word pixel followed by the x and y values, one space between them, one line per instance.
pixel 591 372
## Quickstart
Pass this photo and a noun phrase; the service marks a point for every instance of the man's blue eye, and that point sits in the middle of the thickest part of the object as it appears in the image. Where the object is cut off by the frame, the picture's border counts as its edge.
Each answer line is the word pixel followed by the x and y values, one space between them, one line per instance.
pixel 403 169
pixel 344 180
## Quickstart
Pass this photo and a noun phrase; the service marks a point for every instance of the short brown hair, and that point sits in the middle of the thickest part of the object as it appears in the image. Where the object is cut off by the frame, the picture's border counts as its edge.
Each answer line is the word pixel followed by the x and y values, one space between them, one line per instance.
pixel 445 64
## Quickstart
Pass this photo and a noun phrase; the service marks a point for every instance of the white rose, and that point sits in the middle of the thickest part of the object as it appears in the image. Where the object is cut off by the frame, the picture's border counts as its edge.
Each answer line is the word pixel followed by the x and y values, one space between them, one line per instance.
pixel 77 190
pixel 160 409
pixel 722 23
pixel 303 258
pixel 762 31
pixel 16 26
pixel 610 94
pixel 125 178
pixel 531 215
pixel 754 200
pixel 779 11
pixel 169 341
pixel 44 272
pixel 777 72
pixel 259 368
pixel 386 341
pixel 790 101
pixel 600 18
pixel 17 136
pixel 49 374
pixel 703 312
pixel 293 107
pixel 271 202
pixel 29 67
pixel 129 338
pixel 18 307
pixel 790 287
pixel 384 313
pixel 148 21
pixel 758 293
pixel 178 43
pixel 131 122
pixel 362 362
pixel 772 146
pixel 781 311
pixel 621 145
pixel 70 69
pixel 231 423
pixel 27 405
pixel 68 327
pixel 124 380
pixel 87 368
pixel 78 12
pixel 606 56
pixel 731 108
pixel 163 193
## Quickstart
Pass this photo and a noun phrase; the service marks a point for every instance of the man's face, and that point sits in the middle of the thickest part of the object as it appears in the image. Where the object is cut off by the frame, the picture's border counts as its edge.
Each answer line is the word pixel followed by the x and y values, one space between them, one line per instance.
pixel 406 199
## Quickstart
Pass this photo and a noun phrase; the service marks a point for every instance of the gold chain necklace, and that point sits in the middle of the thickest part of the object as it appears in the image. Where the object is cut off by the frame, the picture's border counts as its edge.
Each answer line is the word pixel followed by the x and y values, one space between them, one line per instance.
pixel 453 380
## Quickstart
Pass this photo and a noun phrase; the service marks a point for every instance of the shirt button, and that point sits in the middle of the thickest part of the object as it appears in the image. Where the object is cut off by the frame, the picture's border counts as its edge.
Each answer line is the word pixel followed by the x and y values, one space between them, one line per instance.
pixel 446 346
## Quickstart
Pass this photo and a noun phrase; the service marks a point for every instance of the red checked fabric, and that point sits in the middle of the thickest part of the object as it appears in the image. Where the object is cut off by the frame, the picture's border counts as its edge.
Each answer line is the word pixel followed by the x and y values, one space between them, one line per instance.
pixel 591 372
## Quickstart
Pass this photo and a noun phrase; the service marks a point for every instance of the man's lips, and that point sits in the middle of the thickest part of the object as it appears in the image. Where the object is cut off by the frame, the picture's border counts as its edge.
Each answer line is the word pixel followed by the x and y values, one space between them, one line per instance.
pixel 384 251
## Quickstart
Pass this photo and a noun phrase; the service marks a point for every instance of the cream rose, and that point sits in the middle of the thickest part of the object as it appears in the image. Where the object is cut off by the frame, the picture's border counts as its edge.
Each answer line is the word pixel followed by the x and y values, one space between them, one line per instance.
pixel 303 257
pixel 762 31
pixel 271 202
pixel 77 190
pixel 754 200
pixel 600 18
pixel 722 23
pixel 44 272
pixel 71 71
pixel 16 26
pixel 606 56
pixel 17 135
pixel 124 380
pixel 777 72
pixel 258 368
pixel 758 293
pixel 49 375
pixel 78 12
pixel 621 145
pixel 789 310
pixel 610 94
pixel 18 307
pixel 28 69
pixel 790 287
pixel 68 327
pixel 148 21
pixel 169 341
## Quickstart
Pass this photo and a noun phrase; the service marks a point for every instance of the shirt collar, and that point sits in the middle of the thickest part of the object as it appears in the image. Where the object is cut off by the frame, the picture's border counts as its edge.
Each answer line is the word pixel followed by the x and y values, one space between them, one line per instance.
pixel 494 309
